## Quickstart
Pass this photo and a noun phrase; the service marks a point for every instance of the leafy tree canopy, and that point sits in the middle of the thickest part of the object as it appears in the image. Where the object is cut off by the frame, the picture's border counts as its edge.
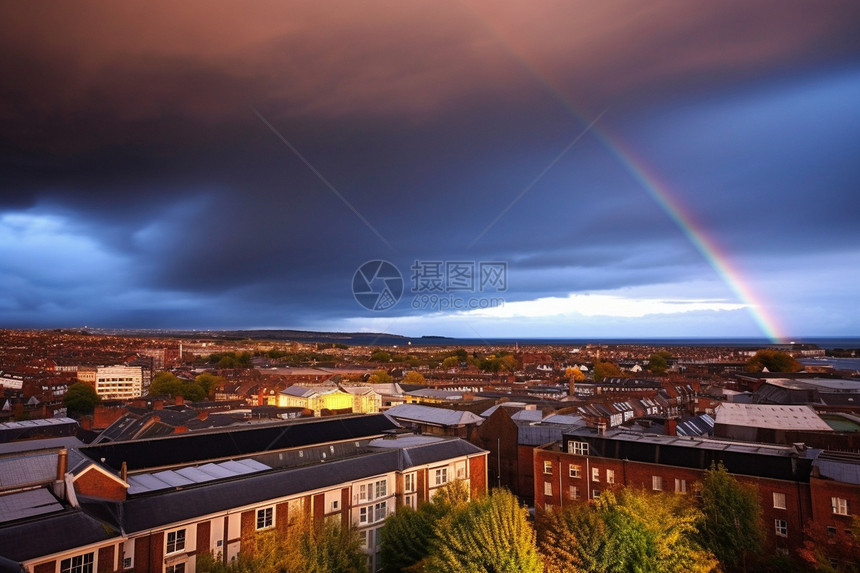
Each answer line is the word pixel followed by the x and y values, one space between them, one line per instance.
pixel 773 360
pixel 80 399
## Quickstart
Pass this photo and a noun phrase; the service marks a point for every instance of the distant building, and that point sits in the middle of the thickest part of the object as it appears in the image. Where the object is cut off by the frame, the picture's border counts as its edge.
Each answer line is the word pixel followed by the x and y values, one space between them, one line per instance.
pixel 119 382
pixel 355 399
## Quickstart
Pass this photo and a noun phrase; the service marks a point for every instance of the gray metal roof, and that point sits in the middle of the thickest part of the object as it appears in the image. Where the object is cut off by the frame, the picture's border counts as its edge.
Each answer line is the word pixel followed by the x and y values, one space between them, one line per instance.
pixel 844 467
pixel 43 444
pixel 431 415
pixel 27 503
pixel 777 417
pixel 19 471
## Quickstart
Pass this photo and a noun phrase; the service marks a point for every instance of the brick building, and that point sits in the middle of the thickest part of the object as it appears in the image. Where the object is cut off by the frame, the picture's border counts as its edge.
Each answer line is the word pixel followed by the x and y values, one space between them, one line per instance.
pixel 796 485
pixel 155 505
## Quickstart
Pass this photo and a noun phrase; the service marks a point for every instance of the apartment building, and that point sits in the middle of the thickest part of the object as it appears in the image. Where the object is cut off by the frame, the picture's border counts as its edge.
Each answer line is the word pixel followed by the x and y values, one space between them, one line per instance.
pixel 797 485
pixel 119 382
pixel 155 505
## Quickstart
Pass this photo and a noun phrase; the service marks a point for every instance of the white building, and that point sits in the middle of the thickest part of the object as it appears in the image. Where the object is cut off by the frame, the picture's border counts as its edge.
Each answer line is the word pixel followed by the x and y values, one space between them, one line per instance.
pixel 119 382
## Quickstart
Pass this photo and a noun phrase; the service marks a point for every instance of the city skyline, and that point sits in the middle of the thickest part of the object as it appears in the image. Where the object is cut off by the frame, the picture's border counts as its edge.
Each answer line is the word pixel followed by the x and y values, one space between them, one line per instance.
pixel 669 170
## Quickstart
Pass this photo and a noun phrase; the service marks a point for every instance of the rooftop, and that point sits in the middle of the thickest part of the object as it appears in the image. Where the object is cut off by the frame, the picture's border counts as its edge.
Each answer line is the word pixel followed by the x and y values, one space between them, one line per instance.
pixel 775 417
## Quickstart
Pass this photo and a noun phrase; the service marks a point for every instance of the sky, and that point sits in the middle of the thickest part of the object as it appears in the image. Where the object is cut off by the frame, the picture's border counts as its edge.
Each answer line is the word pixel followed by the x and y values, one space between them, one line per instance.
pixel 613 169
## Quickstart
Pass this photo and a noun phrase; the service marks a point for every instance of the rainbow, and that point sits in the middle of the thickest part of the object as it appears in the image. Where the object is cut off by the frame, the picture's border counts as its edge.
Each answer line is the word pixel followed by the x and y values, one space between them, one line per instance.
pixel 660 192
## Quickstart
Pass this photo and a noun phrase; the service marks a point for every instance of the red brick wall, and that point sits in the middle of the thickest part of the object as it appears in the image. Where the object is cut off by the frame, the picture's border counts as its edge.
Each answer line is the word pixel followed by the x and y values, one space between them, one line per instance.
pixel 478 475
pixel 639 475
pixel 106 559
pixel 319 507
pixel 94 483
pixel 148 553
pixel 822 491
pixel 204 537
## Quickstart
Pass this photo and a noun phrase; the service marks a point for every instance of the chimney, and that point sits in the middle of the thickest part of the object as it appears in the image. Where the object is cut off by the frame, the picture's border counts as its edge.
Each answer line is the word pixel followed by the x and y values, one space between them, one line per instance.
pixel 179 400
pixel 123 472
pixel 671 427
pixel 62 463
pixel 157 405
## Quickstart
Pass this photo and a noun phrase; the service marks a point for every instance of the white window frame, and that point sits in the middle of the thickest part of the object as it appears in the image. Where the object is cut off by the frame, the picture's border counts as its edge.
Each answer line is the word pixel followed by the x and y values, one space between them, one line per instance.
pixel 409 482
pixel 380 489
pixel 780 527
pixel 573 492
pixel 547 488
pixel 778 500
pixel 364 514
pixel 440 476
pixel 657 483
pixel 268 518
pixel 839 505
pixel 610 476
pixel 575 471
pixel 680 485
pixel 595 475
pixel 86 563
pixel 176 548
pixel 380 511
pixel 547 467
pixel 595 493
pixel 578 448
pixel 176 567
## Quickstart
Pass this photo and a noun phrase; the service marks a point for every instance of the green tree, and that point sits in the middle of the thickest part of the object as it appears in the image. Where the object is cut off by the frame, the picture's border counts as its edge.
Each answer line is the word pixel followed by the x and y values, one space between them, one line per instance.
pixel 165 383
pixel 80 399
pixel 208 382
pixel 380 356
pixel 773 360
pixel 488 535
pixel 409 536
pixel 306 548
pixel 731 525
pixel 605 370
pixel 451 362
pixel 576 540
pixel 659 362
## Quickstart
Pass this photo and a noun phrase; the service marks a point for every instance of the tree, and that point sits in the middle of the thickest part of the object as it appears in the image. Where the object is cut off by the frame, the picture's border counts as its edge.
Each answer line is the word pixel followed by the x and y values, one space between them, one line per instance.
pixel 773 360
pixel 451 362
pixel 413 377
pixel 634 530
pixel 80 399
pixel 380 377
pixel 659 362
pixel 165 383
pixel 731 526
pixel 322 547
pixel 209 382
pixel 574 374
pixel 488 535
pixel 821 545
pixel 605 370
pixel 380 356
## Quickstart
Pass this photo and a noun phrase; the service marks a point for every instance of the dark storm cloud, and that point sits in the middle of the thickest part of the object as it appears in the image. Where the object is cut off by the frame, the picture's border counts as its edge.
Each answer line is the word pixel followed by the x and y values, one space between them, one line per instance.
pixel 130 145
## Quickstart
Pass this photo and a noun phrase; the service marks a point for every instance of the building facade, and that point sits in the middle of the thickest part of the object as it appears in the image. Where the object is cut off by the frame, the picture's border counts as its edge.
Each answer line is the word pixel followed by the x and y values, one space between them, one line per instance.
pixel 119 382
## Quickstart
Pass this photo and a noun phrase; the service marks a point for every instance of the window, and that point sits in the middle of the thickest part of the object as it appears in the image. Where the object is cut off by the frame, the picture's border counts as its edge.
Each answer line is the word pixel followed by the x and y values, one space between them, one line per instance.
pixel 363 515
pixel 680 485
pixel 461 470
pixel 362 538
pixel 574 492
pixel 579 448
pixel 831 531
pixel 380 510
pixel 126 563
pixel 839 505
pixel 610 476
pixel 441 476
pixel 335 504
pixel 77 564
pixel 595 474
pixel 409 482
pixel 547 488
pixel 575 471
pixel 362 492
pixel 595 493
pixel 178 568
pixel 780 527
pixel 547 467
pixel 657 483
pixel 778 500
pixel 265 518
pixel 381 488
pixel 176 541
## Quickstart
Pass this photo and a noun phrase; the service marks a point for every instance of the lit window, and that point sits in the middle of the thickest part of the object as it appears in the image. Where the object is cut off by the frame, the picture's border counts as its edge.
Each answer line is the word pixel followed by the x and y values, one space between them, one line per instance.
pixel 839 505
pixel 547 467
pixel 778 500
pixel 547 488
pixel 680 485
pixel 574 492
pixel 176 541
pixel 578 448
pixel 575 471
pixel 265 517
pixel 595 474
pixel 610 476
pixel 77 564
pixel 657 483
pixel 441 476
pixel 780 527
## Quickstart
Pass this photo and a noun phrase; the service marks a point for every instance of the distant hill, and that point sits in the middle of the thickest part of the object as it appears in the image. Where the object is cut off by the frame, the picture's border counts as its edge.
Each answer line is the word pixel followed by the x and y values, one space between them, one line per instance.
pixel 308 336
